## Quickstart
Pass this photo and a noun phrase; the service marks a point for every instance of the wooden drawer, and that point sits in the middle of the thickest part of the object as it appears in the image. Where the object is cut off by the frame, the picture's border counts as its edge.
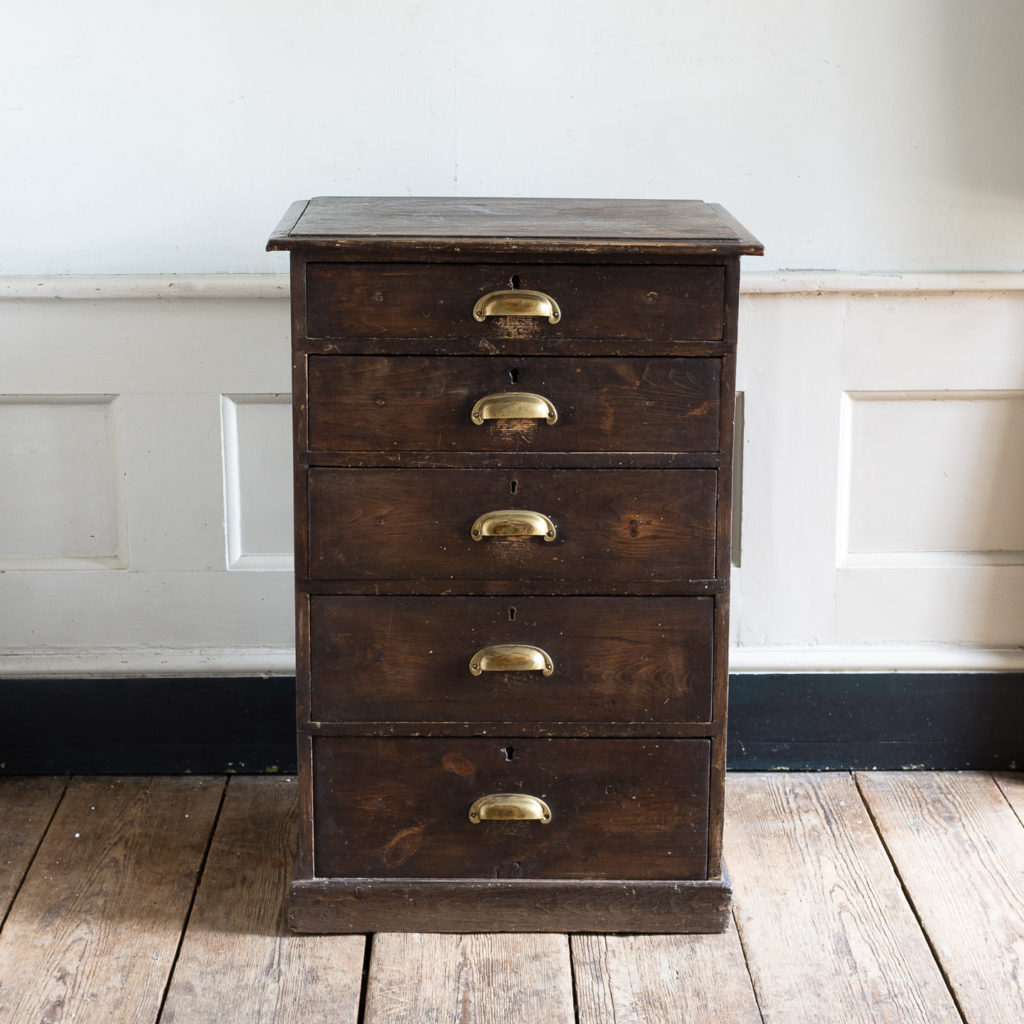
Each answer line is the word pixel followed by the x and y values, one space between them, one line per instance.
pixel 414 404
pixel 399 808
pixel 624 525
pixel 614 659
pixel 436 300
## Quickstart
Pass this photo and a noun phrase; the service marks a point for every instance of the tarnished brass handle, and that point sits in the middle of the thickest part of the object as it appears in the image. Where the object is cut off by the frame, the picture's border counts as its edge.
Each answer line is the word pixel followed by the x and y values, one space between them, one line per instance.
pixel 511 658
pixel 513 405
pixel 509 807
pixel 516 302
pixel 512 522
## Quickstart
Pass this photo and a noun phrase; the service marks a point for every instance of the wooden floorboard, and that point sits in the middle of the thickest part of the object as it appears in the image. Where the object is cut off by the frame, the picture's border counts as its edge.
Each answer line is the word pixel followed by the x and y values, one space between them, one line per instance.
pixel 94 928
pixel 26 806
pixel 239 963
pixel 635 979
pixel 826 929
pixel 483 979
pixel 959 848
pixel 145 900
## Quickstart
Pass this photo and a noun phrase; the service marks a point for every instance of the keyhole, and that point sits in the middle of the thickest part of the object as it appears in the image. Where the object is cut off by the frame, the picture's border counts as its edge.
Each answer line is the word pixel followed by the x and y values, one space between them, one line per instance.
pixel 511 615
pixel 509 752
pixel 513 374
pixel 513 486
pixel 515 281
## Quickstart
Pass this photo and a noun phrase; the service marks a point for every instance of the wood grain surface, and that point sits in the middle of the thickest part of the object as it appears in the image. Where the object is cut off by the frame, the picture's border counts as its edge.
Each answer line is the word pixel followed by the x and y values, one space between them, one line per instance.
pixel 238 963
pixel 513 905
pixel 616 659
pixel 621 809
pixel 26 806
pixel 657 979
pixel 623 525
pixel 424 404
pixel 827 931
pixel 1012 785
pixel 959 848
pixel 507 219
pixel 391 477
pixel 469 979
pixel 429 301
pixel 94 930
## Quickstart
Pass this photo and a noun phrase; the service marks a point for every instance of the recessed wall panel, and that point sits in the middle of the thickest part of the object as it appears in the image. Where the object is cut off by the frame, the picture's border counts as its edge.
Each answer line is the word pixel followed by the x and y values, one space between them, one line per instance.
pixel 61 467
pixel 936 473
pixel 258 481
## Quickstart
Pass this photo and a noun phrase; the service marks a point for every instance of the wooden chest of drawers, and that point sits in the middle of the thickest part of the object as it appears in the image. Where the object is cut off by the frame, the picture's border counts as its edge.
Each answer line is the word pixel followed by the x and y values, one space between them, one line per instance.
pixel 513 431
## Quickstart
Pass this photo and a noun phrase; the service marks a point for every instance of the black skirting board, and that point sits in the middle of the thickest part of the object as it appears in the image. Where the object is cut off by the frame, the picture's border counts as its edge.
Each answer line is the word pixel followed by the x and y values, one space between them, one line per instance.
pixel 794 722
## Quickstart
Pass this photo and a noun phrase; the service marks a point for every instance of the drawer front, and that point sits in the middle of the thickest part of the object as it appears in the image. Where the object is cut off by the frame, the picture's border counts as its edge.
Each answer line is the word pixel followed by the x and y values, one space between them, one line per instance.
pixel 399 808
pixel 428 301
pixel 414 404
pixel 610 525
pixel 612 659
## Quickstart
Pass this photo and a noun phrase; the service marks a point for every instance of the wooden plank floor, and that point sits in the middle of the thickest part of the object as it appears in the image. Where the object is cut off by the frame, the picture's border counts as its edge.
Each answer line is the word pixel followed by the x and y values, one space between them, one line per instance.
pixel 879 897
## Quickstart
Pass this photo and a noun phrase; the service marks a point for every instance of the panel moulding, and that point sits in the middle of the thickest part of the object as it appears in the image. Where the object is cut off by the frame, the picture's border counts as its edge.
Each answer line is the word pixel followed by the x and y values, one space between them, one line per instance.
pixel 50 466
pixel 238 553
pixel 275 286
pixel 849 557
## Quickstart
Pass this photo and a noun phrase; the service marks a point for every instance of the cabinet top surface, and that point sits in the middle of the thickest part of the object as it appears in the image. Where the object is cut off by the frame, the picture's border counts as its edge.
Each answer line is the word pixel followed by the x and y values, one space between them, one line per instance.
pixel 408 225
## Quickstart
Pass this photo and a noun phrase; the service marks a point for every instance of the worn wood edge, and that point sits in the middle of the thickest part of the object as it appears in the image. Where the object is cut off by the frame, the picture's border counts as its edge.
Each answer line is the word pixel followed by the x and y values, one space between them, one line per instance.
pixel 329 585
pixel 279 236
pixel 499 730
pixel 752 245
pixel 511 460
pixel 276 285
pixel 456 346
pixel 499 248
pixel 350 905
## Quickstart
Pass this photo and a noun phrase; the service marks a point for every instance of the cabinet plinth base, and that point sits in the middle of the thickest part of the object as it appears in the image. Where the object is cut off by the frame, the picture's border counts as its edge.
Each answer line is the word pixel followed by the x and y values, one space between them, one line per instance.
pixel 350 905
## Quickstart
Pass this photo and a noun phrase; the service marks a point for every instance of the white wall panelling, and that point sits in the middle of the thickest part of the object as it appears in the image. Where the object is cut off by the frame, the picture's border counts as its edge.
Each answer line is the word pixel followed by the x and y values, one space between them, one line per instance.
pixel 949 463
pixel 62 466
pixel 882 505
pixel 882 514
pixel 170 351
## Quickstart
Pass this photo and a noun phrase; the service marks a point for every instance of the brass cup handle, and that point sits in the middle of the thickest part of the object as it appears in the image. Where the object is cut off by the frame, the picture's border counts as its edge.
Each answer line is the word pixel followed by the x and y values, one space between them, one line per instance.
pixel 512 522
pixel 511 658
pixel 513 405
pixel 516 302
pixel 509 807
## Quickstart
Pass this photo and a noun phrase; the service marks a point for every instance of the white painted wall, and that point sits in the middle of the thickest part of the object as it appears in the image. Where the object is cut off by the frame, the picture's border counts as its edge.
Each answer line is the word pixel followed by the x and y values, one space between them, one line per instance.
pixel 145 138
pixel 144 519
